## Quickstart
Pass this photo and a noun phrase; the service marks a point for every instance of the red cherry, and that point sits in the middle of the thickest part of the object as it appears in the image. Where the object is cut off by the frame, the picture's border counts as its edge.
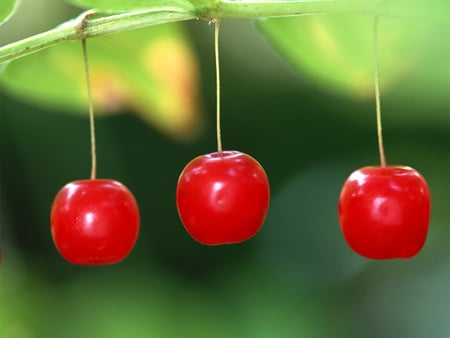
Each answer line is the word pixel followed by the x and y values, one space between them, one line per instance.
pixel 223 198
pixel 94 222
pixel 384 212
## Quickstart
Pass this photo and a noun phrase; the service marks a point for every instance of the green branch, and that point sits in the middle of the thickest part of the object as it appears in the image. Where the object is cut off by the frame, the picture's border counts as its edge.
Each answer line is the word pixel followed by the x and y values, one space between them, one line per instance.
pixel 159 15
pixel 96 27
pixel 264 9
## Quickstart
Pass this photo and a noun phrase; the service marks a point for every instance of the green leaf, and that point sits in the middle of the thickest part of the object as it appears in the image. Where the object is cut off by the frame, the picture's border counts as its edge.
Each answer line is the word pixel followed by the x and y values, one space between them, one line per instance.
pixel 151 71
pixel 7 8
pixel 335 52
pixel 120 6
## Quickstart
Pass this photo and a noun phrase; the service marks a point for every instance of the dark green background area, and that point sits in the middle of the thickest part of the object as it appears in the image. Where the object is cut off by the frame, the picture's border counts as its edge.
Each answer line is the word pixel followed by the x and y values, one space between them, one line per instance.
pixel 296 278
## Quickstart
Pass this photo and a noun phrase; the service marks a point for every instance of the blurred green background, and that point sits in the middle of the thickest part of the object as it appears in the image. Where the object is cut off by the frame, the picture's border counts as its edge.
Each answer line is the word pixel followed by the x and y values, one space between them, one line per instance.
pixel 297 277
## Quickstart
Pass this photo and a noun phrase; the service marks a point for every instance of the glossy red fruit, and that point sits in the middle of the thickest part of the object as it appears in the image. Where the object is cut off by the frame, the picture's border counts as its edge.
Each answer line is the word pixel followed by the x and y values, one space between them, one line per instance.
pixel 384 212
pixel 94 222
pixel 223 198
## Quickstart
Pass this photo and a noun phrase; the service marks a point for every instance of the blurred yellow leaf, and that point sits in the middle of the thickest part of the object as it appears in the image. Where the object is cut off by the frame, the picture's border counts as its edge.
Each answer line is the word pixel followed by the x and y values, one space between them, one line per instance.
pixel 152 72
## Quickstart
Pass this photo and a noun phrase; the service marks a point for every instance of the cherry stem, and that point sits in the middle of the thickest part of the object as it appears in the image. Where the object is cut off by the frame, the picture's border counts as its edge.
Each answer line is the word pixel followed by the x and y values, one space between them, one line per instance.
pixel 216 52
pixel 91 112
pixel 377 91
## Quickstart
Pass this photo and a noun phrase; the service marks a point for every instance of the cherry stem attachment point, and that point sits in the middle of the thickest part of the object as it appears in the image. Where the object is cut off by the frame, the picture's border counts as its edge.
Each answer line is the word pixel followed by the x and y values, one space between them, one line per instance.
pixel 377 91
pixel 82 26
pixel 216 52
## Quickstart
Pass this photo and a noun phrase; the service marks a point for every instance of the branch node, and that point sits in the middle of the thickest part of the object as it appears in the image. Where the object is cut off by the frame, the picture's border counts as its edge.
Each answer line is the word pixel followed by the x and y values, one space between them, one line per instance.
pixel 83 21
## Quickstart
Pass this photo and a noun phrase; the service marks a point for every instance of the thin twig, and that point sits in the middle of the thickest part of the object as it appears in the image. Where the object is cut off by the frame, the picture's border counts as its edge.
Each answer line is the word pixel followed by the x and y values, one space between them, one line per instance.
pixel 376 58
pixel 216 52
pixel 82 26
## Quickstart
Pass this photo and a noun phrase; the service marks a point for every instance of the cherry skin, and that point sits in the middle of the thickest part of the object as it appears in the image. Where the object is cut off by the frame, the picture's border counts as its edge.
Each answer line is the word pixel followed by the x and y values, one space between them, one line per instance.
pixel 94 222
pixel 384 212
pixel 223 198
